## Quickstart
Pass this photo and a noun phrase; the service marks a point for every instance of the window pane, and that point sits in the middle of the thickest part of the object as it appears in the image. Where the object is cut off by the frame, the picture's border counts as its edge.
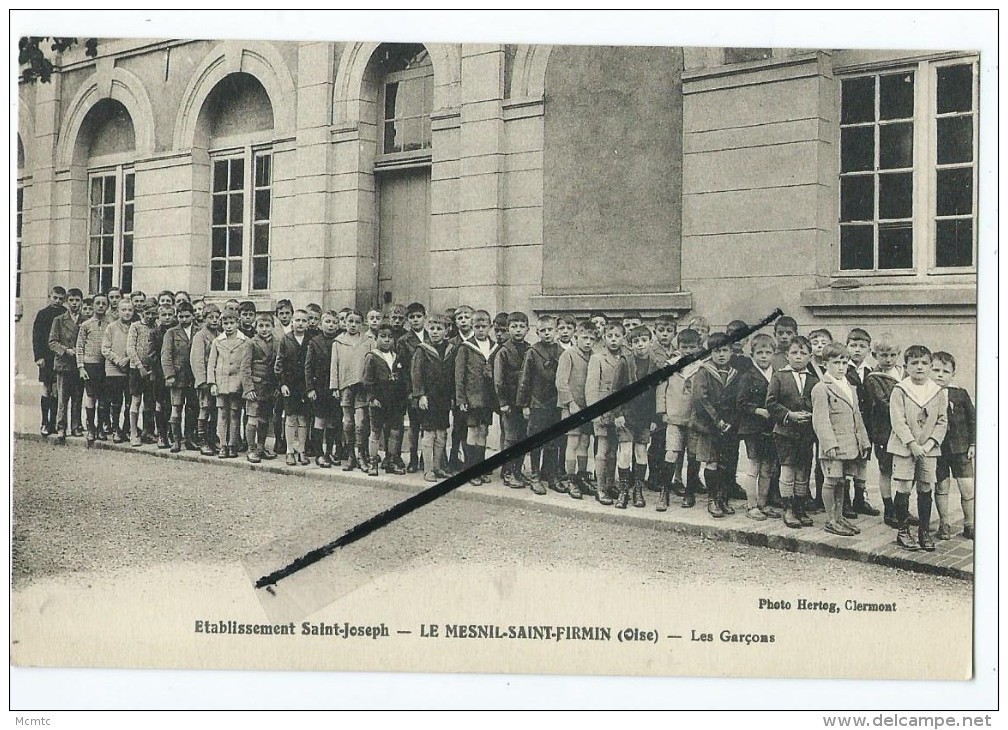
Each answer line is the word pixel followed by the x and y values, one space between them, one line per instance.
pixel 234 275
pixel 411 133
pixel 955 140
pixel 96 218
pixel 128 217
pixel 390 99
pixel 106 278
pixel 96 191
pixel 955 191
pixel 954 243
pixel 218 246
pixel 262 205
pixel 856 243
pixel 126 278
pixel 110 186
pixel 94 281
pixel 409 99
pixel 237 181
pixel 390 137
pixel 857 198
pixel 108 219
pixel 129 183
pixel 857 100
pixel 220 170
pixel 234 241
pixel 263 174
pixel 127 249
pixel 217 275
pixel 219 215
pixel 235 205
pixel 896 195
pixel 94 251
pixel 260 273
pixel 107 249
pixel 895 246
pixel 955 88
pixel 260 242
pixel 857 149
pixel 895 146
pixel 896 96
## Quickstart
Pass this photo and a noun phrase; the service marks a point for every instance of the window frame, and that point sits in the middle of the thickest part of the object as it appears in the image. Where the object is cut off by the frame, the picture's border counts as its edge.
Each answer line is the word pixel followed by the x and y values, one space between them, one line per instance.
pixel 423 155
pixel 247 151
pixel 924 170
pixel 118 171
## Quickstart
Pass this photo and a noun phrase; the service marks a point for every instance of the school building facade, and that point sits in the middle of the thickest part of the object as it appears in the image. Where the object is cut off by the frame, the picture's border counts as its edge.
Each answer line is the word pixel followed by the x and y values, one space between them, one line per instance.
pixel 839 186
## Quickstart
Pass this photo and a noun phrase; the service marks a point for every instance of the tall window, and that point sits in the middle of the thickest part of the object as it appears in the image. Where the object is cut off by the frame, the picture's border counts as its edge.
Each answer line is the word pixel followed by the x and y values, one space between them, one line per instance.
pixel 110 230
pixel 908 169
pixel 407 98
pixel 20 216
pixel 240 221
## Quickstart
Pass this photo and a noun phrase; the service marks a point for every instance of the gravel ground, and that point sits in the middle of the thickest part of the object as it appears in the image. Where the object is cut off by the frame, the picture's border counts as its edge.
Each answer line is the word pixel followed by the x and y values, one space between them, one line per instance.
pixel 100 513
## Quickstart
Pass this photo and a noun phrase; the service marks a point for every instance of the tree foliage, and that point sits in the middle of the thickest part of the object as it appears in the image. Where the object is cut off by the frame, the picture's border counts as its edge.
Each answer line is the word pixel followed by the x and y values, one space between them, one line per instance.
pixel 40 66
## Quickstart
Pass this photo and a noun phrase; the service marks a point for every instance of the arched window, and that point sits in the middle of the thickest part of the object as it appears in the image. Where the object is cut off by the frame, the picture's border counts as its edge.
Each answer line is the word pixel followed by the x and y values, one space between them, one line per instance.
pixel 111 142
pixel 407 93
pixel 238 117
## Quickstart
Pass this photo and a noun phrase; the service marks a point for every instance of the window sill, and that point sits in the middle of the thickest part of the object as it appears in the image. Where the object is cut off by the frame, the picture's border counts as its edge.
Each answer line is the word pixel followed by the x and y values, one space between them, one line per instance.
pixel 399 160
pixel 677 303
pixel 922 300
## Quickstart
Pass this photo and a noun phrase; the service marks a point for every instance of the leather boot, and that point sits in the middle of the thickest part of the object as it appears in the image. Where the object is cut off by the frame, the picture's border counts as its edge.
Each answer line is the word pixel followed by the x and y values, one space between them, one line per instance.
pixel 711 478
pixel 639 471
pixel 861 505
pixel 789 517
pixel 848 512
pixel 663 498
pixel 206 447
pixel 602 486
pixel 688 500
pixel 801 511
pixel 725 486
pixel 624 489
pixel 901 506
pixel 924 502
pixel 176 429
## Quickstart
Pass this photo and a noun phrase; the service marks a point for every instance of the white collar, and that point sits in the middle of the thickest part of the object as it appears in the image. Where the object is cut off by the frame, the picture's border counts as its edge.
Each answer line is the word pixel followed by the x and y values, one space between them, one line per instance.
pixel 920 394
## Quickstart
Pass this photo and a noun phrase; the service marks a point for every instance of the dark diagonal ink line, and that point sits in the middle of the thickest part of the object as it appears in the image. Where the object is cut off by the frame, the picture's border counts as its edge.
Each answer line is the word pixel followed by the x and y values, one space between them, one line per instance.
pixel 589 413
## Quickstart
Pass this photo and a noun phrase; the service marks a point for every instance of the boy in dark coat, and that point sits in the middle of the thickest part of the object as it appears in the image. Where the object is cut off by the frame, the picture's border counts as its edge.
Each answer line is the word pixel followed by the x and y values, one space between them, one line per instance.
pixel 63 346
pixel 325 407
pixel 711 440
pixel 179 379
pixel 537 397
pixel 44 357
pixel 958 449
pixel 507 364
pixel 290 372
pixel 878 385
pixel 752 425
pixel 634 419
pixel 416 318
pixel 432 379
pixel 384 382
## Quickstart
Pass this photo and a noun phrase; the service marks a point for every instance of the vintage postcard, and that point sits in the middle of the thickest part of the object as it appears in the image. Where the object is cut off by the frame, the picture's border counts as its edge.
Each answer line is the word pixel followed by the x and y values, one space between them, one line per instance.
pixel 267 288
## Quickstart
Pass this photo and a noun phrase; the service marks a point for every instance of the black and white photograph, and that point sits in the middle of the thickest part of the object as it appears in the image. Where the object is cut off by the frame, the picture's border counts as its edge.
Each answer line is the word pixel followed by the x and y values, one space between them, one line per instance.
pixel 282 298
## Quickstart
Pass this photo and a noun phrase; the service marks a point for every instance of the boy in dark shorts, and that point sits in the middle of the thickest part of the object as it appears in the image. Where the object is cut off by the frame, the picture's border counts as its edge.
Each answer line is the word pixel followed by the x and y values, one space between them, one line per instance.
pixel 602 367
pixel 175 363
pixel 259 388
pixel 432 379
pixel 710 426
pixel 162 398
pixel 325 408
pixel 958 448
pixel 878 385
pixel 290 372
pixel 91 368
pixel 140 389
pixel 572 372
pixel 41 328
pixel 753 426
pixel 62 346
pixel 635 419
pixel 384 384
pixel 416 319
pixel 199 356
pixel 474 390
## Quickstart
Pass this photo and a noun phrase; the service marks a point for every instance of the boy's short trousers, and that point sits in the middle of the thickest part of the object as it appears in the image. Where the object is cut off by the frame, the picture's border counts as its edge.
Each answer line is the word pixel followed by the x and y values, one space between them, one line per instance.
pixel 884 459
pixel 542 418
pixel 603 428
pixel 353 396
pixel 260 408
pixel 183 395
pixel 840 468
pixel 955 464
pixel 676 436
pixel 232 401
pixel 138 384
pixel 115 386
pixel 759 447
pixel 326 405
pixel 792 452
pixel 907 468
pixel 93 386
pixel 711 448
pixel 387 418
pixel 633 433
pixel 295 405
pixel 205 399
pixel 435 418
pixel 47 376
pixel 584 429
pixel 479 417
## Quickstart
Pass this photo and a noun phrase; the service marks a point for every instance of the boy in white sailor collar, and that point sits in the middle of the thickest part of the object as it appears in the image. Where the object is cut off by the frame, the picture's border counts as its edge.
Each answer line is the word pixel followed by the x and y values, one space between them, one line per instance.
pixel 843 440
pixel 918 408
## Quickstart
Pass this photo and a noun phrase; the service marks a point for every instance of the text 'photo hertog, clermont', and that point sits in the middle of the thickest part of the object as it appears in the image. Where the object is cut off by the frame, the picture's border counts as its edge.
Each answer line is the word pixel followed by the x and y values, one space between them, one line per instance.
pixel 280 305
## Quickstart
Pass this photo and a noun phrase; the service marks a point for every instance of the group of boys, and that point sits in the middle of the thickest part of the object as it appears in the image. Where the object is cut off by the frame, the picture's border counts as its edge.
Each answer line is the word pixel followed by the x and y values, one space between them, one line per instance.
pixel 348 388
